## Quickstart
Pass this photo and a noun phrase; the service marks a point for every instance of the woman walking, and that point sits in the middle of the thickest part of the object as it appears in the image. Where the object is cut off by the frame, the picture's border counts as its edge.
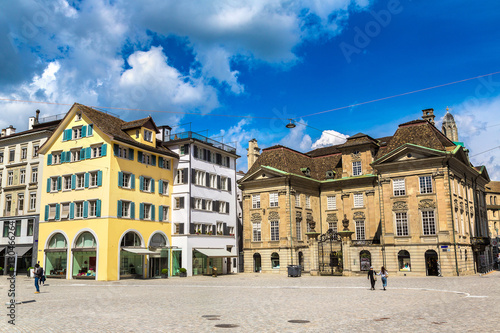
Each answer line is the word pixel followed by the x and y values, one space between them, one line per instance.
pixel 371 276
pixel 384 275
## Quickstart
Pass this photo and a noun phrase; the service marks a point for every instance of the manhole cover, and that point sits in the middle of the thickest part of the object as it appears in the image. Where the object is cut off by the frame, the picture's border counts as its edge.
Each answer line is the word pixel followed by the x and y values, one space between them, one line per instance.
pixel 380 319
pixel 226 325
pixel 299 321
pixel 210 316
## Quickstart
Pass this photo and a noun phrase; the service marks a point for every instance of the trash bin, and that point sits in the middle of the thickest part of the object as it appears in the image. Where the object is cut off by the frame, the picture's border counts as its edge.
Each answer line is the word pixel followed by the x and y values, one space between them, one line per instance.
pixel 294 270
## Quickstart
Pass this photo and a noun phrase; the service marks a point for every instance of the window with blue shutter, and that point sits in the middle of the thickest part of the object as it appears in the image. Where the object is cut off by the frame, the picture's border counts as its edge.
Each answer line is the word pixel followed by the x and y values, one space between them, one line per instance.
pixel 152 185
pixel 115 149
pixel 132 181
pixel 58 212
pixel 86 179
pixel 132 210
pixel 63 157
pixel 49 181
pixel 153 160
pixel 85 209
pixel 160 161
pixel 59 183
pixel 120 179
pixel 47 208
pixel 160 213
pixel 72 210
pixel 82 154
pixel 141 211
pixel 119 209
pixel 139 156
pixel 49 159
pixel 141 181
pixel 99 178
pixel 152 212
pixel 160 187
pixel 103 149
pixel 88 152
pixel 68 156
pixel 131 154
pixel 90 130
pixel 73 182
pixel 98 208
pixel 84 131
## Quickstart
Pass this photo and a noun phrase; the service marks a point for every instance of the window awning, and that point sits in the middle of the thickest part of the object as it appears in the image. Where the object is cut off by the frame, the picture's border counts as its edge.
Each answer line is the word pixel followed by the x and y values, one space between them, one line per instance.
pixel 216 253
pixel 20 250
pixel 138 250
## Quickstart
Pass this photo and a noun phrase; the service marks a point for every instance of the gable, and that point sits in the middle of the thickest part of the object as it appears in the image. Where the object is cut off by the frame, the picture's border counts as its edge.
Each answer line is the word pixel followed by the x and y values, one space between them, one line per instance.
pixel 408 152
pixel 261 173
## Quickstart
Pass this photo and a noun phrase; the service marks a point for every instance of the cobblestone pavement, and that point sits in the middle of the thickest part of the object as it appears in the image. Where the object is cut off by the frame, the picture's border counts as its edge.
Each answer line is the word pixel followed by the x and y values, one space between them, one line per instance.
pixel 257 303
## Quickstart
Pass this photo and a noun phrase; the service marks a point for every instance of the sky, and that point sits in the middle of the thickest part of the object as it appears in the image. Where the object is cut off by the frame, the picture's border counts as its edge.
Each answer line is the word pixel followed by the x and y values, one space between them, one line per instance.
pixel 237 70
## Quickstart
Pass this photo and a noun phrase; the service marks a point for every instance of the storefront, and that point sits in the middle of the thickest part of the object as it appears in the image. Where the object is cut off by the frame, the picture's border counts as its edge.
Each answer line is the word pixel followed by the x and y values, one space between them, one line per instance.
pixel 159 260
pixel 84 257
pixel 24 253
pixel 132 256
pixel 208 259
pixel 176 262
pixel 56 257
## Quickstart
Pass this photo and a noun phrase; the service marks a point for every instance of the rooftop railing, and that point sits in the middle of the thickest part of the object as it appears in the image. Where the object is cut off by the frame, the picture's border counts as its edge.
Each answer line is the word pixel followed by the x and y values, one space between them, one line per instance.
pixel 202 138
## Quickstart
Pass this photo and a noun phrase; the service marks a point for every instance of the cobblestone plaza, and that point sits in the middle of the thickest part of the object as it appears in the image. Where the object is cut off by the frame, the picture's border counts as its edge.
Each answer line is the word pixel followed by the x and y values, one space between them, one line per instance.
pixel 257 303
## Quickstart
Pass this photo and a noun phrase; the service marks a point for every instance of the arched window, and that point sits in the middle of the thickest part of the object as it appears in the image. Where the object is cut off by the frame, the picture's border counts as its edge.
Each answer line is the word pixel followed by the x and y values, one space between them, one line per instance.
pixel 131 239
pixel 257 262
pixel 58 241
pixel 86 240
pixel 275 260
pixel 404 261
pixel 365 260
pixel 158 240
pixel 431 263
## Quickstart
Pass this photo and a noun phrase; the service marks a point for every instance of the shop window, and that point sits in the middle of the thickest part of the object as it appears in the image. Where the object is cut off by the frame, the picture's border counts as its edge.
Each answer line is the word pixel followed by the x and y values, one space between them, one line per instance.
pixel 86 240
pixel 58 241
pixel 404 261
pixel 275 260
pixel 131 239
pixel 158 240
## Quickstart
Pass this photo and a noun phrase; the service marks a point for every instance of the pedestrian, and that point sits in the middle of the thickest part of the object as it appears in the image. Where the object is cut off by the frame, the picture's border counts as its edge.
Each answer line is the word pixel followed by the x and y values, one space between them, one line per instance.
pixel 384 275
pixel 42 276
pixel 38 274
pixel 372 277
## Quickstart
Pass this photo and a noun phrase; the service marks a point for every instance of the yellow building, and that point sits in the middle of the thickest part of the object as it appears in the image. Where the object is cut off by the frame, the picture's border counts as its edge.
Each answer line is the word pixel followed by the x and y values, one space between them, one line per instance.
pixel 105 211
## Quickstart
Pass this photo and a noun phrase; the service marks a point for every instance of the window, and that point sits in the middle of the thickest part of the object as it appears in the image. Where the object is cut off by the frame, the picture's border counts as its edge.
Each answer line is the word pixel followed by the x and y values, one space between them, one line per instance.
pixel 17 233
pixel 147 184
pixel 148 135
pixel 256 201
pixel 22 176
pixel 24 153
pixel 56 158
pixel 184 149
pixel 273 199
pixel 275 260
pixel 32 200
pixel 8 204
pixel 20 203
pixel 147 212
pixel 297 200
pixel 163 187
pixel 93 179
pixel 223 183
pixel 126 208
pixel 79 209
pixel 67 182
pixel 398 187
pixel 180 176
pixel 331 202
pixel 77 133
pixel 53 184
pixel 356 168
pixel 121 151
pixel 358 200
pixel 213 181
pixel 223 207
pixel 402 224
pixel 12 155
pixel 93 208
pixel 52 211
pixel 65 210
pixel 96 151
pixel 256 231
pixel 34 174
pixel 179 203
pixel 332 226
pixel 275 231
pixel 75 155
pixel 220 228
pixel 298 229
pixel 308 201
pixel 1 157
pixel 425 184
pixel 146 158
pixel 137 134
pixel 199 178
pixel 80 181
pixel 208 206
pixel 198 203
pixel 428 222
pixel 6 229
pixel 360 230
pixel 10 178
pixel 35 150
pixel 78 117
pixel 164 213
pixel 29 231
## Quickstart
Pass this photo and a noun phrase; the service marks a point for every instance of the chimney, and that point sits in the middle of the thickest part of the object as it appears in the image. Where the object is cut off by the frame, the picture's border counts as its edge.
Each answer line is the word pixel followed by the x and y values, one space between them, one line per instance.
pixel 428 114
pixel 253 152
pixel 10 130
pixel 31 122
pixel 3 132
pixel 37 116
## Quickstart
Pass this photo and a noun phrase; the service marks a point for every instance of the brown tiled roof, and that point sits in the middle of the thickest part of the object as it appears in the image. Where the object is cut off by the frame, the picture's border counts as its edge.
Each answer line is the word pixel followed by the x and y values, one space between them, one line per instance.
pixel 112 126
pixel 324 151
pixel 358 139
pixel 493 186
pixel 137 123
pixel 50 128
pixel 384 141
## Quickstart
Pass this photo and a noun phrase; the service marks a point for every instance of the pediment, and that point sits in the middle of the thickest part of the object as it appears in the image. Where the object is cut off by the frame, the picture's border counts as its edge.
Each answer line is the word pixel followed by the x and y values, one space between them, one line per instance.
pixel 263 173
pixel 409 152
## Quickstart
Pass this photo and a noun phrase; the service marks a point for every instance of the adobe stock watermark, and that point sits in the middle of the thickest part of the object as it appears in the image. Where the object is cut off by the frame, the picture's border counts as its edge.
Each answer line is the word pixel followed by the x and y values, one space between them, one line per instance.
pixel 11 292
pixel 371 30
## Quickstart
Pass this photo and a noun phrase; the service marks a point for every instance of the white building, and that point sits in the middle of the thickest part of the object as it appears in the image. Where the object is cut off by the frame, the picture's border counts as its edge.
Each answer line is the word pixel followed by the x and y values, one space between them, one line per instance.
pixel 204 214
pixel 20 188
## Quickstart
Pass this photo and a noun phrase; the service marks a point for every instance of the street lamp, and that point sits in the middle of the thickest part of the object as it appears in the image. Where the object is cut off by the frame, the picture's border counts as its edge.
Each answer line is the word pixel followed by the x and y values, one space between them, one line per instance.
pixel 291 124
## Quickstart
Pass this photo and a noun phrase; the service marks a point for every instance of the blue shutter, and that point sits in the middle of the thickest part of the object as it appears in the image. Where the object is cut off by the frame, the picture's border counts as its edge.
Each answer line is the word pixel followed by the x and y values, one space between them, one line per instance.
pixel 84 131
pixel 98 208
pixel 152 212
pixel 82 154
pixel 48 184
pixel 99 178
pixel 160 213
pixel 152 185
pixel 160 162
pixel 72 210
pixel 120 179
pixel 88 152
pixel 49 159
pixel 153 160
pixel 141 180
pixel 131 154
pixel 141 211
pixel 139 156
pixel 86 179
pixel 104 149
pixel 73 182
pixel 47 208
pixel 160 186
pixel 115 149
pixel 63 157
pixel 132 181
pixel 68 156
pixel 58 216
pixel 67 134
pixel 59 183
pixel 132 210
pixel 85 209
pixel 90 130
pixel 119 209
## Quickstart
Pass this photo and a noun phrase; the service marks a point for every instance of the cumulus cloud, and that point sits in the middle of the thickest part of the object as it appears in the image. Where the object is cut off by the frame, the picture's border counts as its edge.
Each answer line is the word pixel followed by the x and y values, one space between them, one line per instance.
pixel 297 138
pixel 330 138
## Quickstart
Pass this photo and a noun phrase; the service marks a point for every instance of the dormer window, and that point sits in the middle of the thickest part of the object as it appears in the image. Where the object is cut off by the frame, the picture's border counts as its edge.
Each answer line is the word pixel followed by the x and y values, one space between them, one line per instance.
pixel 306 171
pixel 356 168
pixel 330 174
pixel 78 117
pixel 148 135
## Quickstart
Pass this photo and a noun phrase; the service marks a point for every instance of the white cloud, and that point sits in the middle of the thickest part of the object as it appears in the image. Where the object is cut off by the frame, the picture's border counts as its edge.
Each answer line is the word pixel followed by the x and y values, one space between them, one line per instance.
pixel 297 138
pixel 330 138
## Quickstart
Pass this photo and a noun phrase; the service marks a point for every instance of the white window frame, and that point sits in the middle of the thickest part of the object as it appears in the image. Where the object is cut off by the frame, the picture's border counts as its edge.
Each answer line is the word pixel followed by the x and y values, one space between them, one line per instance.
pixel 331 202
pixel 360 229
pixel 78 209
pixel 22 176
pixel 126 209
pixel 213 181
pixel 126 180
pixel 32 201
pixel 297 200
pixel 148 135
pixel 34 174
pixel 96 151
pixel 298 229
pixel 425 184
pixel 20 202
pixel 398 187
pixel 35 150
pixel 255 201
pixel 80 181
pixel 222 207
pixel 273 199
pixel 146 213
pixel 93 208
pixel 93 179
pixel 401 220
pixel 428 222
pixel 56 158
pixel 165 211
pixel 24 153
pixel 64 214
pixel 52 211
pixel 256 232
pixel 308 201
pixel 358 200
pixel 165 187
pixel 275 230
pixel 75 155
pixel 76 133
pixel 179 177
pixel 10 178
pixel 356 168
pixel 146 184
pixel 66 183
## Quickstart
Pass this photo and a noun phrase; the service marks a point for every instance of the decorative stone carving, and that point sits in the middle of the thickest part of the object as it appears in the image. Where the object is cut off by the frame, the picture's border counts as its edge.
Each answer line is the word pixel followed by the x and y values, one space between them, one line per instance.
pixel 274 216
pixel 426 204
pixel 345 195
pixel 345 223
pixel 332 217
pixel 282 192
pixel 356 155
pixel 256 217
pixel 359 216
pixel 455 203
pixel 370 192
pixel 461 206
pixel 385 181
pixel 298 216
pixel 247 196
pixel 438 174
pixel 400 205
pixel 471 212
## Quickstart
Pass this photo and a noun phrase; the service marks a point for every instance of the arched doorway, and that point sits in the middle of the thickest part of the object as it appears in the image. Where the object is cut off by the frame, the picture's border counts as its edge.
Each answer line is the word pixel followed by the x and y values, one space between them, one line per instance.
pixel 404 261
pixel 159 261
pixel 365 260
pixel 431 263
pixel 257 266
pixel 56 256
pixel 131 263
pixel 84 257
pixel 275 260
pixel 301 261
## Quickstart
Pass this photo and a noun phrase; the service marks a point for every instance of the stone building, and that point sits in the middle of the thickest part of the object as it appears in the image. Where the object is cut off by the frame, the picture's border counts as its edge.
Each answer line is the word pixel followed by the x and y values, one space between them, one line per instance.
pixel 411 202
pixel 493 211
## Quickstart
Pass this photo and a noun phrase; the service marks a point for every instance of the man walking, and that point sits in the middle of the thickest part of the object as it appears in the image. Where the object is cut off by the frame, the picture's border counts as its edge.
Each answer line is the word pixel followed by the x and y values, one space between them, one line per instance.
pixel 38 275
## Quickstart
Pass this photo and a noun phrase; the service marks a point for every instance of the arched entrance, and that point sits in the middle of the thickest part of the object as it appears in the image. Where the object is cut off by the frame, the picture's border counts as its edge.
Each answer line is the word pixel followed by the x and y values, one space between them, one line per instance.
pixel 131 262
pixel 301 261
pixel 159 261
pixel 84 257
pixel 257 266
pixel 365 260
pixel 56 256
pixel 275 260
pixel 431 263
pixel 404 261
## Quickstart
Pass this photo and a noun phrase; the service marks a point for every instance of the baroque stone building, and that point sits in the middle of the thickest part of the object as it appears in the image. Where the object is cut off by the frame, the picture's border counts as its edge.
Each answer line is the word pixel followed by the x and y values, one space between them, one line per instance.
pixel 412 202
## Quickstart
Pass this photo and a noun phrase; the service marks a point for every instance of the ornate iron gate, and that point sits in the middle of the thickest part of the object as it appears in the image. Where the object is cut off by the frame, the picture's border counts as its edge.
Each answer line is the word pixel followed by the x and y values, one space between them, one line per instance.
pixel 330 253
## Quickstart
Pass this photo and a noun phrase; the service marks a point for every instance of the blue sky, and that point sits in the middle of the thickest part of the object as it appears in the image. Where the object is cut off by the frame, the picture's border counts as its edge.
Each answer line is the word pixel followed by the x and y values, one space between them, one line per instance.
pixel 272 59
